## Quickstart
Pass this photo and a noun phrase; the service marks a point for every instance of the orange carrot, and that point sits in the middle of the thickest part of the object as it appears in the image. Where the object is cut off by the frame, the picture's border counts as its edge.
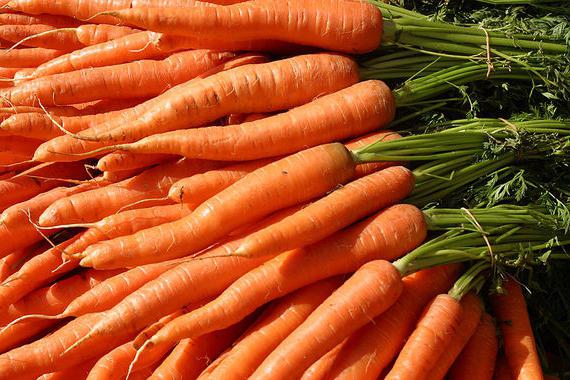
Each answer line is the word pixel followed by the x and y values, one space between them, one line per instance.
pixel 190 357
pixel 388 235
pixel 120 161
pixel 16 149
pixel 470 317
pixel 194 190
pixel 329 214
pixel 29 57
pixel 130 80
pixel 518 338
pixel 319 369
pixel 26 19
pixel 268 189
pixel 60 110
pixel 431 337
pixel 98 203
pixel 40 36
pixel 371 290
pixel 122 175
pixel 274 325
pixel 360 357
pixel 277 86
pixel 477 360
pixel 14 261
pixel 345 26
pixel 76 372
pixel 365 168
pixel 349 112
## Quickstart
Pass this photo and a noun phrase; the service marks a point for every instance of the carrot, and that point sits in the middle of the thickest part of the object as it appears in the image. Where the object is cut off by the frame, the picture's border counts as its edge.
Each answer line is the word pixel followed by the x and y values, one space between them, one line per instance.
pixel 108 105
pixel 268 189
pixel 41 36
pixel 87 10
pixel 366 168
pixel 360 357
pixel 194 190
pixel 15 190
pixel 75 372
pixel 152 301
pixel 69 142
pixel 470 317
pixel 16 149
pixel 371 290
pixel 60 110
pixel 329 214
pixel 98 203
pixel 431 337
pixel 274 325
pixel 125 223
pixel 349 112
pixel 136 79
pixel 119 161
pixel 502 369
pixel 15 229
pixel 402 228
pixel 345 26
pixel 29 57
pixel 319 369
pixel 477 359
pixel 190 357
pixel 8 72
pixel 518 338
pixel 26 19
pixel 14 261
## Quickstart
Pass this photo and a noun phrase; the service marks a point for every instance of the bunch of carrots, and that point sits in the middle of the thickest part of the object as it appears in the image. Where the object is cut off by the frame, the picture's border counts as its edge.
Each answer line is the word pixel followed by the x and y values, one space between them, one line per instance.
pixel 209 190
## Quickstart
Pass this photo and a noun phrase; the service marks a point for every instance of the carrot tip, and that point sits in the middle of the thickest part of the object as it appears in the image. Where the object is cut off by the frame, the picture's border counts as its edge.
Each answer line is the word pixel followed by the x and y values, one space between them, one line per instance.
pixel 86 262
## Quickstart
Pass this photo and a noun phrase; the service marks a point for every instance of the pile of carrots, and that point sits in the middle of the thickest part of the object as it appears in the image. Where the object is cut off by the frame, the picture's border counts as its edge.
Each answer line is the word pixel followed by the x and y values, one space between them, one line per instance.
pixel 182 198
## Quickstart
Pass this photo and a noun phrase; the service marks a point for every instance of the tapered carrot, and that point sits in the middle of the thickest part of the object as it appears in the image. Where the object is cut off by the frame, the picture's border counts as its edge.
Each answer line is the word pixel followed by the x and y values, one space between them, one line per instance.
pixel 40 36
pixel 388 235
pixel 29 57
pixel 347 113
pixel 329 214
pixel 365 168
pixel 518 338
pixel 274 325
pixel 371 290
pixel 119 161
pixel 319 369
pixel 190 357
pixel 345 26
pixel 101 202
pixel 194 190
pixel 372 348
pixel 431 337
pixel 478 357
pixel 470 317
pixel 15 190
pixel 130 80
pixel 15 229
pixel 287 182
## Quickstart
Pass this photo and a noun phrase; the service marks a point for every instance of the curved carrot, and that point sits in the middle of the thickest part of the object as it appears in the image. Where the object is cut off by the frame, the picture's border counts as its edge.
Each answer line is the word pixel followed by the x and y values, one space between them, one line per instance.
pixel 274 325
pixel 470 317
pixel 431 337
pixel 371 290
pixel 140 79
pixel 119 161
pixel 360 357
pixel 331 213
pixel 346 113
pixel 96 204
pixel 268 189
pixel 388 235
pixel 518 338
pixel 478 357
pixel 29 57
pixel 193 191
pixel 345 26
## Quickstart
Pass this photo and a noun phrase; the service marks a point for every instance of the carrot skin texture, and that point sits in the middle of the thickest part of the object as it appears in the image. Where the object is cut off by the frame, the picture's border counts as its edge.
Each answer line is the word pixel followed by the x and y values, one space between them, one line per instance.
pixel 27 19
pixel 140 79
pixel 432 335
pixel 343 252
pixel 470 317
pixel 29 57
pixel 274 325
pixel 331 213
pixel 371 290
pixel 120 161
pixel 284 183
pixel 346 113
pixel 152 183
pixel 346 26
pixel 266 87
pixel 59 41
pixel 373 347
pixel 518 339
pixel 478 357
